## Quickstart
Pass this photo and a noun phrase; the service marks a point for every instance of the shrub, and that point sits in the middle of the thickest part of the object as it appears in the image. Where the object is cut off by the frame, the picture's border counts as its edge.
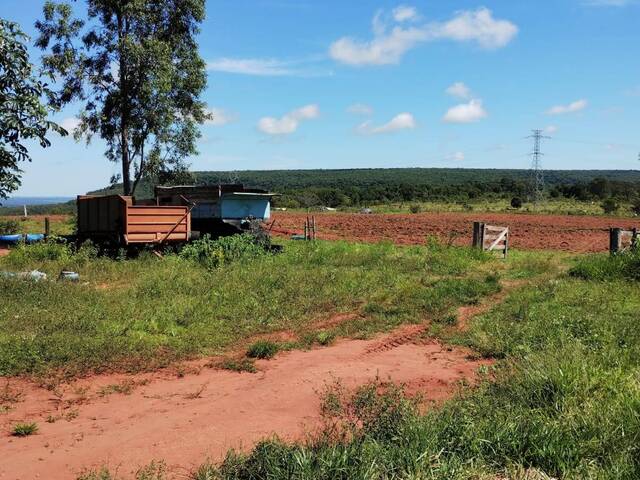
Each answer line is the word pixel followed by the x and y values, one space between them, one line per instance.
pixel 415 208
pixel 610 206
pixel 215 253
pixel 41 252
pixel 635 206
pixel 8 227
pixel 263 349
pixel 516 202
pixel 24 429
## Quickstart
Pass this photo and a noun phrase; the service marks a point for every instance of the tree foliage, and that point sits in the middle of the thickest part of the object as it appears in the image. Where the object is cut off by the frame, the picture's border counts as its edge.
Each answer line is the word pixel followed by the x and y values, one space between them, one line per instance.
pixel 23 116
pixel 135 68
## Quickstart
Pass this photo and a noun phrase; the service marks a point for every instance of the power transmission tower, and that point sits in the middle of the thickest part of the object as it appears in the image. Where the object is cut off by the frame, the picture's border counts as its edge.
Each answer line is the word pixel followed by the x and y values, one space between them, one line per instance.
pixel 537 173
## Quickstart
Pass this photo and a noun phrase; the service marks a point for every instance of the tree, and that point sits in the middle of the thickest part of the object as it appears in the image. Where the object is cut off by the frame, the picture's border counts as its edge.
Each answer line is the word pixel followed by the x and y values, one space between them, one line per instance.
pixel 610 206
pixel 23 116
pixel 134 66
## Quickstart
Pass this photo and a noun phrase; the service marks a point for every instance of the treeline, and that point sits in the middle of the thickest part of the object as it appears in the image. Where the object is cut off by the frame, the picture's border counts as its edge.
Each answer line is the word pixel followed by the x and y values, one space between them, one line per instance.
pixel 363 187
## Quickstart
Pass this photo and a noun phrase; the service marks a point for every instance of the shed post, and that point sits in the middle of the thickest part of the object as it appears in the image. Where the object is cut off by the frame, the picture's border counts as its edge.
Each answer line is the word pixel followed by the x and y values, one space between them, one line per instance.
pixel 615 240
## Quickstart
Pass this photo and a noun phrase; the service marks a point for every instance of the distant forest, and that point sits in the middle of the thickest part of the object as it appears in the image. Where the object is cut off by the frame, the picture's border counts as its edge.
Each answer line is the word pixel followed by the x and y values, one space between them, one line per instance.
pixel 361 187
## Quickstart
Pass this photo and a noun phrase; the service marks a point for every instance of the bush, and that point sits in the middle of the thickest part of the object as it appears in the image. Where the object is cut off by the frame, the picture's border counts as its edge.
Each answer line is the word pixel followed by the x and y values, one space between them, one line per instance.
pixel 415 208
pixel 610 206
pixel 9 227
pixel 516 203
pixel 215 253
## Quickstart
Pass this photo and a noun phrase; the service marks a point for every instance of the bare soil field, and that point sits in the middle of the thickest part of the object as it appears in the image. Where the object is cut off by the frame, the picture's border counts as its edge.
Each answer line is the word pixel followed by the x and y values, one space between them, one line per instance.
pixel 580 234
pixel 184 420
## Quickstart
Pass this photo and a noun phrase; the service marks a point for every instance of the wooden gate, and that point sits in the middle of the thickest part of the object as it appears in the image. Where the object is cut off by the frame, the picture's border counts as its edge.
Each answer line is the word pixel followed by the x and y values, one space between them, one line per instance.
pixel 491 238
pixel 621 240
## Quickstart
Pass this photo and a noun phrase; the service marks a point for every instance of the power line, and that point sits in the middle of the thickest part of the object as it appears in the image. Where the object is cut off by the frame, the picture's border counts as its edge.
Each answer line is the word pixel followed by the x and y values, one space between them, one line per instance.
pixel 537 173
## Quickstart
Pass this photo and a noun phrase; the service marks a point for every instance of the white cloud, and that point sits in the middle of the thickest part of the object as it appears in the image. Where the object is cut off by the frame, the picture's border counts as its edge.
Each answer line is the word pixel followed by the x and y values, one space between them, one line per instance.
pixel 219 117
pixel 269 67
pixel 70 124
pixel 551 129
pixel 466 112
pixel 459 90
pixel 455 157
pixel 360 109
pixel 389 45
pixel 405 13
pixel 290 122
pixel 571 108
pixel 250 66
pixel 402 121
pixel 479 26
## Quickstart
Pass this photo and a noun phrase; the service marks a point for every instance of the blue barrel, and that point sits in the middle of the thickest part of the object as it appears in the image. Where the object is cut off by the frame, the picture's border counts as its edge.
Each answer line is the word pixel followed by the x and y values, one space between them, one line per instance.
pixel 12 239
pixel 34 237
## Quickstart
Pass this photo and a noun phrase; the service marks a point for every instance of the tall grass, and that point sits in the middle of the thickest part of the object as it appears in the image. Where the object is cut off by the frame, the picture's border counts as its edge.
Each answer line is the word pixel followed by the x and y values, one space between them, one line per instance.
pixel 625 265
pixel 143 313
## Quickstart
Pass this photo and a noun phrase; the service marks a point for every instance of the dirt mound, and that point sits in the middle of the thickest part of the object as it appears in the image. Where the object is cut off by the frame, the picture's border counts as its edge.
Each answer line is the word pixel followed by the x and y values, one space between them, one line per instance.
pixel 125 422
pixel 543 232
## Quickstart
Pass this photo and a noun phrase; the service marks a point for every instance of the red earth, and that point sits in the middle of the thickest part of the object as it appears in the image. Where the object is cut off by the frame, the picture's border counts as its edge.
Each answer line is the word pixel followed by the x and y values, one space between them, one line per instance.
pixel 537 232
pixel 185 420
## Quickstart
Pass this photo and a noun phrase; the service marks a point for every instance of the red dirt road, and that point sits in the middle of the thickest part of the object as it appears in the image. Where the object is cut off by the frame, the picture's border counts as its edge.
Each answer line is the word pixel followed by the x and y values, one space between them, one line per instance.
pixel 535 232
pixel 184 421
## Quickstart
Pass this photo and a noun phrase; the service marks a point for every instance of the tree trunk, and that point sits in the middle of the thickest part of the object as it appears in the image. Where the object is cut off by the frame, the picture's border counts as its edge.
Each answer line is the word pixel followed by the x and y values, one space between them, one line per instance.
pixel 124 114
pixel 126 166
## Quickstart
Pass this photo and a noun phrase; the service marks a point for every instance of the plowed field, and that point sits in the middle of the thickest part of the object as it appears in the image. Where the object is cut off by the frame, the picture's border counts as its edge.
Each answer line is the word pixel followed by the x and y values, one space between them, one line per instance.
pixel 539 232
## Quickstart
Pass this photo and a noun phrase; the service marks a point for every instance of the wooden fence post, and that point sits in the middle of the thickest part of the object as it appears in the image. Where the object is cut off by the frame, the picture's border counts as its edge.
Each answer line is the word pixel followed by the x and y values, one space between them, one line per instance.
pixel 615 240
pixel 478 235
pixel 476 230
pixel 47 227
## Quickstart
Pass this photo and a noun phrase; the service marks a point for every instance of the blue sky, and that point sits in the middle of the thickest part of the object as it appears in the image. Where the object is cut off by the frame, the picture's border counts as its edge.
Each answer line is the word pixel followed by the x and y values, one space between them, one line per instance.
pixel 336 84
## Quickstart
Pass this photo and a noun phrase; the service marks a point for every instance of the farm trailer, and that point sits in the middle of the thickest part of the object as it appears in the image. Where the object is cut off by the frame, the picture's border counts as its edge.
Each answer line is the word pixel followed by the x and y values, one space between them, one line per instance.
pixel 219 209
pixel 119 220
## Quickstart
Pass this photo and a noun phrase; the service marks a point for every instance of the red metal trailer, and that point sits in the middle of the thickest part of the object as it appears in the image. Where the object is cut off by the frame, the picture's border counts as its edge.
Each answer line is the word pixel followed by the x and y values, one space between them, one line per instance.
pixel 117 218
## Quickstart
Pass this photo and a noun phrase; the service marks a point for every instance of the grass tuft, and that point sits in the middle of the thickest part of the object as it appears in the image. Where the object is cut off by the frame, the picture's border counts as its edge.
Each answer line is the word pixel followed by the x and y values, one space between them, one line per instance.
pixel 24 429
pixel 264 349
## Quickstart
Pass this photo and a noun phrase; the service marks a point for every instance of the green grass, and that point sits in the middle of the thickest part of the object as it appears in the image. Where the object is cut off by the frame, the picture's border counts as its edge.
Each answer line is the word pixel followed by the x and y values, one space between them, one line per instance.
pixel 24 429
pixel 145 313
pixel 58 225
pixel 263 349
pixel 624 265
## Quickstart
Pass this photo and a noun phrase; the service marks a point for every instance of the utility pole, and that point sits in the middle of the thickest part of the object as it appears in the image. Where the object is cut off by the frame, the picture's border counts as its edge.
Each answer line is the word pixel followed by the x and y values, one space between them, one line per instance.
pixel 537 173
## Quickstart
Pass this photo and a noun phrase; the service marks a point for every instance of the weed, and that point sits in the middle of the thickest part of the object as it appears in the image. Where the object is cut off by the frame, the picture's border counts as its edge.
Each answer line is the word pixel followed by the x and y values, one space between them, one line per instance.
pixel 263 349
pixel 125 388
pixel 325 338
pixel 24 429
pixel 239 365
pixel 198 393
